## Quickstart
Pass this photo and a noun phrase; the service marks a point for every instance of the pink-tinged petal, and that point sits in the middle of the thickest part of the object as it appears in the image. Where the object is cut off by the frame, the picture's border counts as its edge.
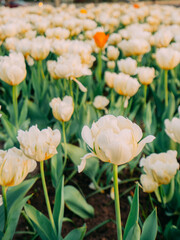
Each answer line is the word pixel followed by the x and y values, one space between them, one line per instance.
pixel 87 136
pixel 142 143
pixel 83 162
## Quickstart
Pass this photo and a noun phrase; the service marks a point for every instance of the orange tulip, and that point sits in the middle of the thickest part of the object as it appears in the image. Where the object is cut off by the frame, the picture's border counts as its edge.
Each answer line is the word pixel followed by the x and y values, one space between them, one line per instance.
pixel 100 39
pixel 84 11
pixel 136 5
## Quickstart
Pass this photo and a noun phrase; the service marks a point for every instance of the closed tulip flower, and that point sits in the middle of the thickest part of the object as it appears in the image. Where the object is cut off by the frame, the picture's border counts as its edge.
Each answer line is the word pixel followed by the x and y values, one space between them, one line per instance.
pixel 12 68
pixel 109 78
pixel 39 145
pixel 167 58
pixel 112 53
pixel 159 169
pixel 127 66
pixel 113 139
pixel 62 109
pixel 100 102
pixel 146 75
pixel 100 39
pixel 172 128
pixel 40 48
pixel 111 64
pixel 126 85
pixel 14 167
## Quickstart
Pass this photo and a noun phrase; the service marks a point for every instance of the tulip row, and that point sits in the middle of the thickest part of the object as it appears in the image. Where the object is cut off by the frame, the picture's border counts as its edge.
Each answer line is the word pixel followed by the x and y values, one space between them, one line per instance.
pixel 113 67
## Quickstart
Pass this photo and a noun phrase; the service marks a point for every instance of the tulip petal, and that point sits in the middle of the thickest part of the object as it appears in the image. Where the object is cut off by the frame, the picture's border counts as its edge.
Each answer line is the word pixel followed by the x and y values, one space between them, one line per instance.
pixel 83 162
pixel 142 143
pixel 81 87
pixel 87 136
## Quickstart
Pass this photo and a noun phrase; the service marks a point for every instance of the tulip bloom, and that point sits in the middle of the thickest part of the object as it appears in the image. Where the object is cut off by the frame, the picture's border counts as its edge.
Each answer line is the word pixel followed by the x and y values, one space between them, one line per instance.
pixel 159 169
pixel 100 102
pixel 113 139
pixel 100 39
pixel 39 145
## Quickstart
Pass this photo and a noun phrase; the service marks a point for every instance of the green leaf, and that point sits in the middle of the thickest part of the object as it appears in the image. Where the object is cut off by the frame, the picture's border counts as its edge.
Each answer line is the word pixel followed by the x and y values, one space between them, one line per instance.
pixel 77 234
pixel 170 110
pixel 41 223
pixel 56 166
pixel 169 190
pixel 24 111
pixel 134 233
pixel 15 193
pixel 150 227
pixel 134 213
pixel 76 153
pixel 11 130
pixel 13 217
pixel 76 203
pixel 58 211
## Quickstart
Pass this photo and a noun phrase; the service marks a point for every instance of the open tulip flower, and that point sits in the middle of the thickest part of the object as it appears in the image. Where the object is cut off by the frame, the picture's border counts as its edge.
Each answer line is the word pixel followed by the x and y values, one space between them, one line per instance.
pixel 113 139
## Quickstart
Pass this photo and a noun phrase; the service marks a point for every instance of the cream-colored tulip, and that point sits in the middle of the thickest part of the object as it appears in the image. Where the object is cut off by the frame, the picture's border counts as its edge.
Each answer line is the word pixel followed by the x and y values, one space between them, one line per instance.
pixel 167 58
pixel 162 38
pixel 159 169
pixel 40 48
pixel 39 145
pixel 14 167
pixel 100 102
pixel 12 68
pixel 127 66
pixel 146 75
pixel 111 64
pixel 62 109
pixel 109 78
pixel 172 128
pixel 126 85
pixel 113 139
pixel 112 53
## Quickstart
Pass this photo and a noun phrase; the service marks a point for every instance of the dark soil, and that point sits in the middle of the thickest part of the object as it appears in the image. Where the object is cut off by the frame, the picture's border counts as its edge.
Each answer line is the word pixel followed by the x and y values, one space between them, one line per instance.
pixel 102 203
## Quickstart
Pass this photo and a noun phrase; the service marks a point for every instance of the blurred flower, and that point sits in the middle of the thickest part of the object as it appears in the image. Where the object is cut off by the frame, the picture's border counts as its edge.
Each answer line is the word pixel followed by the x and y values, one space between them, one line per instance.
pixel 100 39
pixel 113 139
pixel 162 38
pixel 126 85
pixel 146 75
pixel 14 167
pixel 172 128
pixel 159 169
pixel 128 66
pixel 39 145
pixel 12 68
pixel 109 78
pixel 62 109
pixel 167 58
pixel 40 47
pixel 111 64
pixel 112 53
pixel 100 102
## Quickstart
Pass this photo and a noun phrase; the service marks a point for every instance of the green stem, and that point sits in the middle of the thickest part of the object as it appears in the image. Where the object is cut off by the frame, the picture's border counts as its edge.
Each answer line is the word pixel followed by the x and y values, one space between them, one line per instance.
pixel 46 195
pixel 65 146
pixel 161 191
pixel 166 87
pixel 15 104
pixel 99 66
pixel 117 203
pixel 71 89
pixel 41 69
pixel 151 201
pixel 145 94
pixel 112 97
pixel 4 189
pixel 70 177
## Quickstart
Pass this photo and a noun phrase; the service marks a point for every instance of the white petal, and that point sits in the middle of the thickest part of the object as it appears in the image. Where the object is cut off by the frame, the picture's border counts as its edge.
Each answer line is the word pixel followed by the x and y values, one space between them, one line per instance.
pixel 81 87
pixel 83 162
pixel 87 136
pixel 142 143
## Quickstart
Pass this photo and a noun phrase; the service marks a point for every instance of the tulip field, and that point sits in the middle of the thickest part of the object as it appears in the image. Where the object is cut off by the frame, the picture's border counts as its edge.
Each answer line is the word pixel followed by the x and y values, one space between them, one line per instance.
pixel 90 122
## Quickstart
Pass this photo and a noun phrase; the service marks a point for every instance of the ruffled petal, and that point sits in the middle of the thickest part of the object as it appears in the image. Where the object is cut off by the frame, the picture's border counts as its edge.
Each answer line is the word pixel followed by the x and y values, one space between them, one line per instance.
pixel 83 162
pixel 142 143
pixel 81 87
pixel 87 136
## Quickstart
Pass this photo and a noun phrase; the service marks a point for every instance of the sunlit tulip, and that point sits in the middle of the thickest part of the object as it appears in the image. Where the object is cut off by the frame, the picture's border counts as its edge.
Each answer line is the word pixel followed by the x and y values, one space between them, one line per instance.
pixel 112 53
pixel 14 167
pixel 100 39
pixel 12 68
pixel 109 78
pixel 162 38
pixel 159 169
pixel 172 128
pixel 146 75
pixel 127 66
pixel 100 102
pixel 126 85
pixel 167 58
pixel 39 145
pixel 113 139
pixel 114 38
pixel 62 109
pixel 111 64
pixel 40 48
